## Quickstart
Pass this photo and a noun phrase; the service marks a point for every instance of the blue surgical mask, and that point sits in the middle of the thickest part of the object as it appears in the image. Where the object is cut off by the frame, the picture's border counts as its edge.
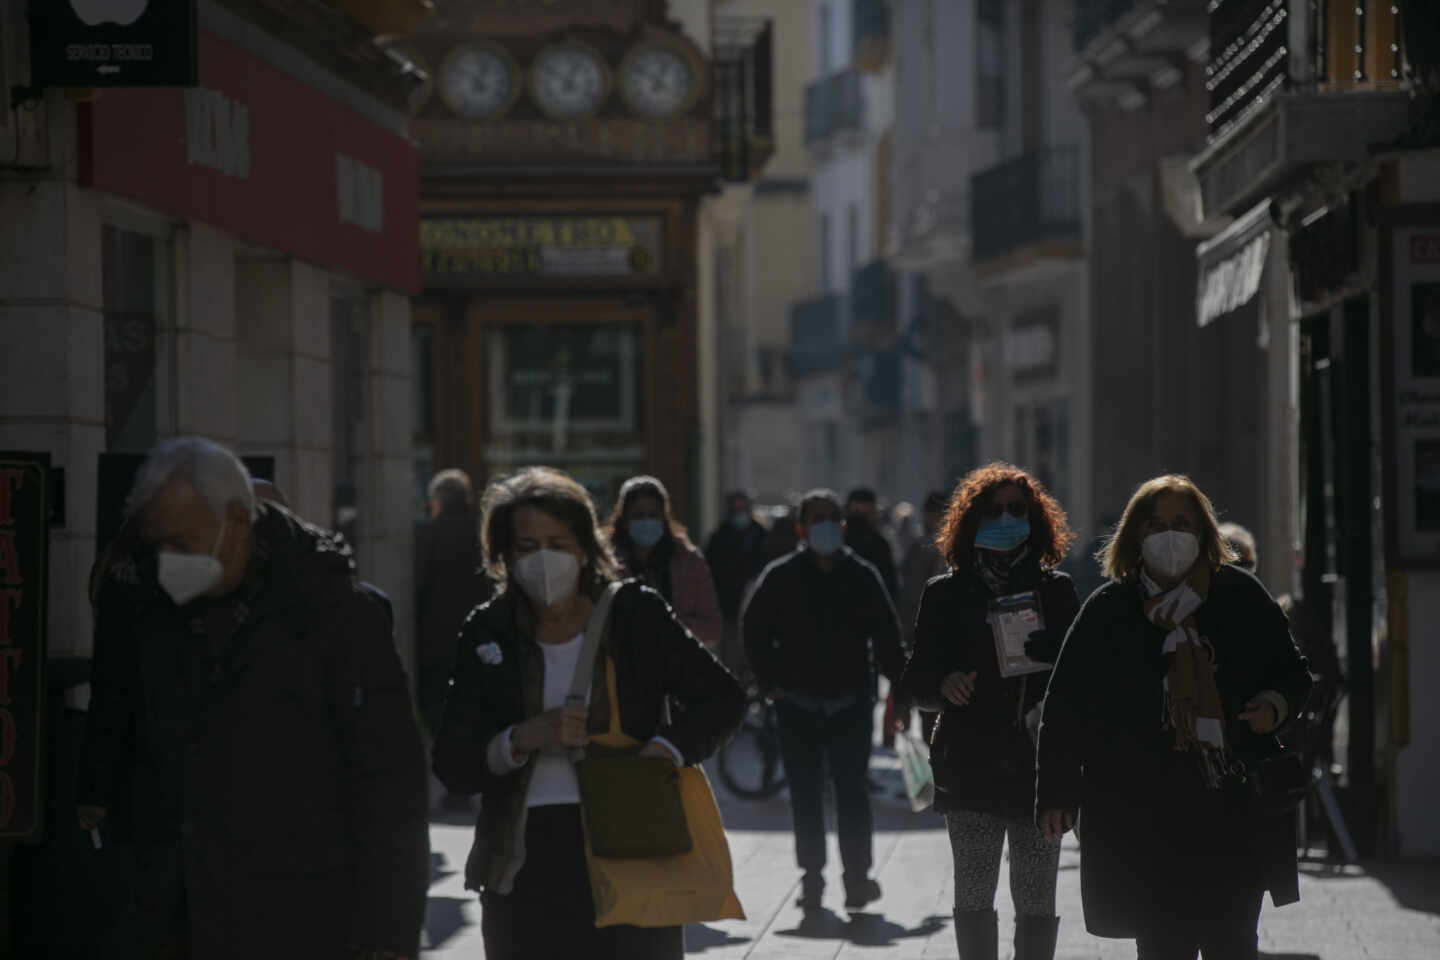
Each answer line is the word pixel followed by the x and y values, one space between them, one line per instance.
pixel 646 532
pixel 1005 532
pixel 740 519
pixel 826 537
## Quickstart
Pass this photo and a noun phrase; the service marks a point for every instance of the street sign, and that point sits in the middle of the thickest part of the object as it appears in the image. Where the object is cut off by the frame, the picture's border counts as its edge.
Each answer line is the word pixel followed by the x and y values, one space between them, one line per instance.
pixel 24 572
pixel 112 43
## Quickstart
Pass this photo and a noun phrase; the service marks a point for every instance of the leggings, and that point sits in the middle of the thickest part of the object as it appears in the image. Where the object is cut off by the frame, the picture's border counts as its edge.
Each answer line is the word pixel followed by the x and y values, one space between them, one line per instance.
pixel 977 841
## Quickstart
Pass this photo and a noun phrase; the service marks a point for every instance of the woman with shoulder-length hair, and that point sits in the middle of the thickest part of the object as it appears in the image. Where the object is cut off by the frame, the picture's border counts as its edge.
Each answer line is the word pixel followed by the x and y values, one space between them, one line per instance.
pixel 1002 536
pixel 507 732
pixel 1160 711
pixel 654 548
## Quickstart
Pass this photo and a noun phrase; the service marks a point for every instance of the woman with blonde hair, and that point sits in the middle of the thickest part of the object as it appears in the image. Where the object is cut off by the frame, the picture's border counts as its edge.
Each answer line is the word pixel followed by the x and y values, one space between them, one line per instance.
pixel 1158 732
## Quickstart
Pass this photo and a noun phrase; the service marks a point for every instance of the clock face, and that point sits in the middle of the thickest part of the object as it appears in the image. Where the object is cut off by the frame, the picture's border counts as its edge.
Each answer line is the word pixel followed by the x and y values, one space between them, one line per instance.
pixel 478 81
pixel 657 82
pixel 569 81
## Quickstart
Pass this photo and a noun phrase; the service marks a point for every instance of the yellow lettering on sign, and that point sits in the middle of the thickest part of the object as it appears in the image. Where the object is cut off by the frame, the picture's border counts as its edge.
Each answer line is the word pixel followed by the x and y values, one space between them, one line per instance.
pixel 504 233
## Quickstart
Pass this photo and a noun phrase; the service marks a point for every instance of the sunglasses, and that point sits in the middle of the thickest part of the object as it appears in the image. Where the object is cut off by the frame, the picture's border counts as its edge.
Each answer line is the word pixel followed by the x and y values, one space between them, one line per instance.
pixel 1017 508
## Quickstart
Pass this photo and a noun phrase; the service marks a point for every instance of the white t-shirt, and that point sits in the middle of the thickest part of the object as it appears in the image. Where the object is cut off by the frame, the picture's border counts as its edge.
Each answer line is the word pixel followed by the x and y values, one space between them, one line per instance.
pixel 554 781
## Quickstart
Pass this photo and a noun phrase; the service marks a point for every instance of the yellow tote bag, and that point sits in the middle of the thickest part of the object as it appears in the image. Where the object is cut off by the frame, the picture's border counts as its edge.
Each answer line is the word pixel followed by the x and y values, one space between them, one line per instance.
pixel 694 887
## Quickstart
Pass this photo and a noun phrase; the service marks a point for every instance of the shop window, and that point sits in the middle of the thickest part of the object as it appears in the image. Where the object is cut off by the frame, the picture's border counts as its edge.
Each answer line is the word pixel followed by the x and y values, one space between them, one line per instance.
pixel 132 290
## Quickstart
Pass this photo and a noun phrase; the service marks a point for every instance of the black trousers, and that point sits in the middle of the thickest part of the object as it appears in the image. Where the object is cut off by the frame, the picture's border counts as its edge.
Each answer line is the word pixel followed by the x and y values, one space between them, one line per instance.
pixel 1220 923
pixel 808 738
pixel 550 915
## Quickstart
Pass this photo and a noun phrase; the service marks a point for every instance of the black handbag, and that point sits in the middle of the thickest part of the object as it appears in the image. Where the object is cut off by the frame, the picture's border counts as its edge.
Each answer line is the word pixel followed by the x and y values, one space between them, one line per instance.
pixel 1278 784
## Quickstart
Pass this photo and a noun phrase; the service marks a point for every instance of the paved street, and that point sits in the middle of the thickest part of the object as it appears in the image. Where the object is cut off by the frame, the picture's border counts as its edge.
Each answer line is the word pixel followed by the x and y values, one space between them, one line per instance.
pixel 1392 913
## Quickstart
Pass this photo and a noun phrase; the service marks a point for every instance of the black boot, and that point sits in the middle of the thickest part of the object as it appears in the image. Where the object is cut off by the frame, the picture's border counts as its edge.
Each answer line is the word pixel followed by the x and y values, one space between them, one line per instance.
pixel 977 934
pixel 1035 937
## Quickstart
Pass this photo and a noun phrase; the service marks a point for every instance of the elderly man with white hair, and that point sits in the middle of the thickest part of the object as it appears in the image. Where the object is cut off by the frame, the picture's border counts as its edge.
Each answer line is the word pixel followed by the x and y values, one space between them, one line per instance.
pixel 251 732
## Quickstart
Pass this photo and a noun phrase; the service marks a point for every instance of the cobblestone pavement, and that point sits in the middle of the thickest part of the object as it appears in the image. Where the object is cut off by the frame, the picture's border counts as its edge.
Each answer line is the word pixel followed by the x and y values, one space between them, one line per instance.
pixel 1387 912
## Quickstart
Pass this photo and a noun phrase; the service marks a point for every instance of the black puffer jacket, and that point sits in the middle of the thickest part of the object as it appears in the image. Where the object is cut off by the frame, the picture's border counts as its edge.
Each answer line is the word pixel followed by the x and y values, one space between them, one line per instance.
pixel 1145 816
pixel 655 657
pixel 282 767
pixel 981 753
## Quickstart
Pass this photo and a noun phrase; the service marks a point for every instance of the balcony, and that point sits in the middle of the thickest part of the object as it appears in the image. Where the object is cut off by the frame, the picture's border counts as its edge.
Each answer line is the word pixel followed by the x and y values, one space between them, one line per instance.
pixel 817 336
pixel 1031 202
pixel 1092 17
pixel 871 19
pixel 833 105
pixel 743 71
pixel 874 303
pixel 1127 50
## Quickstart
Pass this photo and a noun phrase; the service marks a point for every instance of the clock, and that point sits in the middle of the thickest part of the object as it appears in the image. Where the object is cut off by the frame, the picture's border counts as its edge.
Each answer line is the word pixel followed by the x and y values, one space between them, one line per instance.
pixel 479 81
pixel 658 81
pixel 569 81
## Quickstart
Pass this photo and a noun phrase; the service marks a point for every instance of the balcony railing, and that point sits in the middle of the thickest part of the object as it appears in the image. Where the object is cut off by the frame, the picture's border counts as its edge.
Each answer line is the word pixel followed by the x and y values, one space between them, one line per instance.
pixel 1093 16
pixel 832 105
pixel 817 335
pixel 872 33
pixel 1030 200
pixel 744 83
pixel 873 299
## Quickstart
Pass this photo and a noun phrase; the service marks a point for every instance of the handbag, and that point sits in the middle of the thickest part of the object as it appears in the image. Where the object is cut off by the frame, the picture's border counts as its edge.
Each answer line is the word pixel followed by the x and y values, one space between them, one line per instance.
pixel 630 804
pixel 694 886
pixel 1278 784
pixel 915 768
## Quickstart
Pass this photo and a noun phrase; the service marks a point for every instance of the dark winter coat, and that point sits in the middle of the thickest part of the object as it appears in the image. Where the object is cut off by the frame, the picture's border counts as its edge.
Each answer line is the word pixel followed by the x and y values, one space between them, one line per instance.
pixel 1146 820
pixel 276 771
pixel 982 754
pixel 448 584
pixel 811 632
pixel 871 546
pixel 736 558
pixel 655 657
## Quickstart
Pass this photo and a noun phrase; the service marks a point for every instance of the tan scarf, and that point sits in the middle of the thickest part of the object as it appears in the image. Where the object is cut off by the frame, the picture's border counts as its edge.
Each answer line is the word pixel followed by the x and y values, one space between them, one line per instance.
pixel 1192 701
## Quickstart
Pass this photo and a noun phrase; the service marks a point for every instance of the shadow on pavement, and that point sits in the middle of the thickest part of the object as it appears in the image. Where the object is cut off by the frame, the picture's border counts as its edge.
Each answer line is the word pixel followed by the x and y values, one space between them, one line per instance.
pixel 444 918
pixel 862 929
pixel 699 938
pixel 1288 956
pixel 1410 882
pixel 439 868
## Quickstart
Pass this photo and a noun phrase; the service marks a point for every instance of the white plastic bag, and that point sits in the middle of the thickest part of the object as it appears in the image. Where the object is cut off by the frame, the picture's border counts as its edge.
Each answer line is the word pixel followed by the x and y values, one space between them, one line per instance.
pixel 915 766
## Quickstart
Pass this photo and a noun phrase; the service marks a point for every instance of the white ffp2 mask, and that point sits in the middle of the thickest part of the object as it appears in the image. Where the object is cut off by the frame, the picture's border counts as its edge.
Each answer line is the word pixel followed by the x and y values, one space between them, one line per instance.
pixel 1171 553
pixel 548 577
pixel 186 576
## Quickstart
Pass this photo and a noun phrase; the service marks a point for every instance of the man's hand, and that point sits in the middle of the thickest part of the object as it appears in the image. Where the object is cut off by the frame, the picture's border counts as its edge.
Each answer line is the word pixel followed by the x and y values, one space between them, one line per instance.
pixel 1043 646
pixel 958 687
pixel 1056 823
pixel 1260 714
pixel 89 817
pixel 657 751
pixel 558 729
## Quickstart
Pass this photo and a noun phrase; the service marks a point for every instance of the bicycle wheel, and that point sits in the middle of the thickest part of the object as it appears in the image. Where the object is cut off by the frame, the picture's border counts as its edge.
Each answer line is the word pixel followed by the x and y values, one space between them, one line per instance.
pixel 750 764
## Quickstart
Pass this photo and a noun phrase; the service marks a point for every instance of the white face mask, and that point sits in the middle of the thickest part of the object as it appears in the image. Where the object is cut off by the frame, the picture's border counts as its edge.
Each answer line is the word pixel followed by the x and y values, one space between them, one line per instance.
pixel 186 576
pixel 1171 553
pixel 548 577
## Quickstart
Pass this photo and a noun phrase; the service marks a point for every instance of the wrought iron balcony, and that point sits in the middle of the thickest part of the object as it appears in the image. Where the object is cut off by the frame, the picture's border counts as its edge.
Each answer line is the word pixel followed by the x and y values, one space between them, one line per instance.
pixel 872 33
pixel 874 301
pixel 817 335
pixel 1031 200
pixel 744 83
pixel 1092 17
pixel 833 105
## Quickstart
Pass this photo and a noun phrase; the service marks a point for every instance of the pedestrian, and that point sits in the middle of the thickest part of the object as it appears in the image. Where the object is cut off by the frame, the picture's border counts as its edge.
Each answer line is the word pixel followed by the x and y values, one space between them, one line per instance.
pixel 1002 535
pixel 1242 544
pixel 1169 688
pixel 736 555
pixel 782 537
pixel 251 735
pixel 923 563
pixel 651 546
pixel 449 582
pixel 808 627
pixel 508 732
pixel 863 535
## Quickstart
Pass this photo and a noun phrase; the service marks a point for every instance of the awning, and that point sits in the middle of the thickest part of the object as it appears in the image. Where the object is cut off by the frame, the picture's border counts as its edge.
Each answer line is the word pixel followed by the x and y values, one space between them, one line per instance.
pixel 1231 264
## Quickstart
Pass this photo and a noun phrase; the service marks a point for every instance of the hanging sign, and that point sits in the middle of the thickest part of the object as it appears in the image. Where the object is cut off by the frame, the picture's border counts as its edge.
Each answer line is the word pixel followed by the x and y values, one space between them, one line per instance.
pixel 112 43
pixel 24 570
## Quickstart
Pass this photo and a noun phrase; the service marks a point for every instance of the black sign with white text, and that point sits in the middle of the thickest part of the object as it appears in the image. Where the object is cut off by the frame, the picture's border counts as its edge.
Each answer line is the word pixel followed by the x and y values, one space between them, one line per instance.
pixel 112 43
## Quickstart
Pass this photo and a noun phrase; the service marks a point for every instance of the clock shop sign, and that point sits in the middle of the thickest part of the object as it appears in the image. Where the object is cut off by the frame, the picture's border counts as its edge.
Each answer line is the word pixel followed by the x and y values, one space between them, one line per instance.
pixel 112 43
pixel 606 139
pixel 457 250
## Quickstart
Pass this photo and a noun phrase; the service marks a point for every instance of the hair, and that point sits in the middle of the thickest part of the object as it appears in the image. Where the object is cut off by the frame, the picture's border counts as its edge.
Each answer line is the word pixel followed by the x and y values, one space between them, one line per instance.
pixel 861 495
pixel 811 498
pixel 737 494
pixel 267 491
pixel 452 490
pixel 1050 533
pixel 556 494
pixel 630 491
pixel 1120 558
pixel 1242 544
pixel 212 471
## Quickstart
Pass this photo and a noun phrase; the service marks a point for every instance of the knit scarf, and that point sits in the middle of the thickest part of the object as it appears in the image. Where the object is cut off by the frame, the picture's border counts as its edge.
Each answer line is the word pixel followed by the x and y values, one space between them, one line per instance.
pixel 998 569
pixel 1192 701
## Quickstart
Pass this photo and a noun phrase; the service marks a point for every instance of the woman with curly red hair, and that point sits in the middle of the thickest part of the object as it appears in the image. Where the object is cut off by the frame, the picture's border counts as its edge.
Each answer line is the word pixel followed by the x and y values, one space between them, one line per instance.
pixel 1003 536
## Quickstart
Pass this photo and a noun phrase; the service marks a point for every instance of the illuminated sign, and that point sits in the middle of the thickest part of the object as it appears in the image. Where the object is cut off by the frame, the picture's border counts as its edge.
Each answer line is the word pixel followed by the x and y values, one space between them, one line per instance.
pixel 457 249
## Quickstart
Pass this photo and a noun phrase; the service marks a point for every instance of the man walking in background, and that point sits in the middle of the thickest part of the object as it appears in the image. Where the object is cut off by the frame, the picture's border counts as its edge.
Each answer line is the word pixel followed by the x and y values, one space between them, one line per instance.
pixel 862 534
pixel 735 554
pixel 808 628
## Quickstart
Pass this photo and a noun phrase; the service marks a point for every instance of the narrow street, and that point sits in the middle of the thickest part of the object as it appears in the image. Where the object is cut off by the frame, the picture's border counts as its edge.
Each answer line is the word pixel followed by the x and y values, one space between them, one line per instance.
pixel 1391 912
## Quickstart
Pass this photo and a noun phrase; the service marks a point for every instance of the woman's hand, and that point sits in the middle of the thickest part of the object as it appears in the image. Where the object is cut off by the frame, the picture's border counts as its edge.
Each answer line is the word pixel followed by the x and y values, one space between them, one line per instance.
pixel 1261 715
pixel 1056 823
pixel 558 729
pixel 958 687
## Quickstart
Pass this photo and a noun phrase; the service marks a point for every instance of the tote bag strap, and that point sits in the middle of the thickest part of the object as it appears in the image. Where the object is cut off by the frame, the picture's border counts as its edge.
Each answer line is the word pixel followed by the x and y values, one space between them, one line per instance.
pixel 589 647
